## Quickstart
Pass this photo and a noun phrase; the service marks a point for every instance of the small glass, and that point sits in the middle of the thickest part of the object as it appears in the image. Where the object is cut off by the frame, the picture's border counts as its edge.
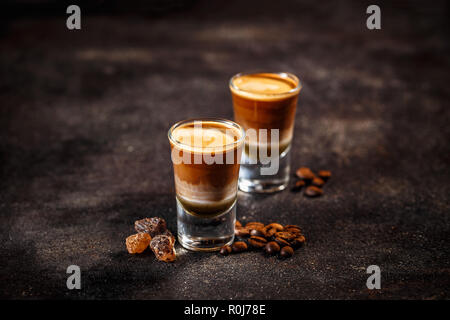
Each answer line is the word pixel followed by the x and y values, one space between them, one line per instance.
pixel 264 105
pixel 206 157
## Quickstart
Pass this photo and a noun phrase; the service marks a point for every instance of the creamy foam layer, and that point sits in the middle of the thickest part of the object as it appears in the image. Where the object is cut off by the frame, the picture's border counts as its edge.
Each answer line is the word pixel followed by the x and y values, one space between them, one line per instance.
pixel 205 192
pixel 264 86
pixel 282 144
pixel 204 197
pixel 204 136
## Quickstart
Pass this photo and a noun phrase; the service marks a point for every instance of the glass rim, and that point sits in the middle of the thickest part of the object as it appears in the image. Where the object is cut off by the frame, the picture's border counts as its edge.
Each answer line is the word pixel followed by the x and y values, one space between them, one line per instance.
pixel 281 74
pixel 227 122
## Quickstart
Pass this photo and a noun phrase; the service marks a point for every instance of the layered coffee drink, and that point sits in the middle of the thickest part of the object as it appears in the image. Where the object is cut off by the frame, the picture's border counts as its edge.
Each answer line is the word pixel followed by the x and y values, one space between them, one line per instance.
pixel 206 158
pixel 206 188
pixel 266 101
pixel 264 105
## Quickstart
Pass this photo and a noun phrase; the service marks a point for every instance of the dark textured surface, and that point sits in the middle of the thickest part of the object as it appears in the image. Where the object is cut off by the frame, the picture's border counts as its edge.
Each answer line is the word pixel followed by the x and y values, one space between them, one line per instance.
pixel 84 150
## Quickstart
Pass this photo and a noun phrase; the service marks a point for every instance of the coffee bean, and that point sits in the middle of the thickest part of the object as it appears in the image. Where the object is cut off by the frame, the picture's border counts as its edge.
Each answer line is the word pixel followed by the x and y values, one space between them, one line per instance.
pixel 293 229
pixel 272 248
pixel 239 246
pixel 318 182
pixel 293 226
pixel 313 191
pixel 257 242
pixel 305 173
pixel 241 232
pixel 298 241
pixel 295 232
pixel 257 233
pixel 237 224
pixel 275 226
pixel 299 185
pixel 286 252
pixel 254 225
pixel 225 250
pixel 269 232
pixel 281 242
pixel 271 229
pixel 324 174
pixel 288 236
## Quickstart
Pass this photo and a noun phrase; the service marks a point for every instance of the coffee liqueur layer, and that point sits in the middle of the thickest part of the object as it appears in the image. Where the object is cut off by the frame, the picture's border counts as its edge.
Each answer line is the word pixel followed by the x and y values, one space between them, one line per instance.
pixel 203 188
pixel 266 101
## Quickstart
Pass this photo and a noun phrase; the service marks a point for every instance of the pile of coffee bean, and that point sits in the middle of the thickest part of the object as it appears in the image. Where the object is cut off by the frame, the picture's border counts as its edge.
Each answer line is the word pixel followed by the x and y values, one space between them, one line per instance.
pixel 313 183
pixel 273 238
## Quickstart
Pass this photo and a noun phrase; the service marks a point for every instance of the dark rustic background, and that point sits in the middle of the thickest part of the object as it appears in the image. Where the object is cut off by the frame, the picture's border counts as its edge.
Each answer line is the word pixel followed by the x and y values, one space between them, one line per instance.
pixel 84 151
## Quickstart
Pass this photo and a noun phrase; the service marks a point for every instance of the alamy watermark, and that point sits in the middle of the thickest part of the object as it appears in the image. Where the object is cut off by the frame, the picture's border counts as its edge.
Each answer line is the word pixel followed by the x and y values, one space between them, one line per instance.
pixel 374 281
pixel 374 20
pixel 73 22
pixel 74 280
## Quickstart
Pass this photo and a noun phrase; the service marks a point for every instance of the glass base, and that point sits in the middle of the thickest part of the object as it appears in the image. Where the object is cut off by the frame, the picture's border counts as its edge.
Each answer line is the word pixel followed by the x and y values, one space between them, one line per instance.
pixel 262 186
pixel 205 233
pixel 251 180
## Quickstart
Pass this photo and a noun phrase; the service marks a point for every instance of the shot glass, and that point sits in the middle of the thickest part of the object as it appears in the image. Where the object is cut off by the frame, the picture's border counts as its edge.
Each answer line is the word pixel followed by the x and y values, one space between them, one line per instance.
pixel 206 157
pixel 264 105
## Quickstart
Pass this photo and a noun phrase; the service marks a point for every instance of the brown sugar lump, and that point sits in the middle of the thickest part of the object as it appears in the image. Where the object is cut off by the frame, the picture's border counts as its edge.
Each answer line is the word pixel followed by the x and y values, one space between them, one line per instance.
pixel 137 243
pixel 152 226
pixel 163 248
